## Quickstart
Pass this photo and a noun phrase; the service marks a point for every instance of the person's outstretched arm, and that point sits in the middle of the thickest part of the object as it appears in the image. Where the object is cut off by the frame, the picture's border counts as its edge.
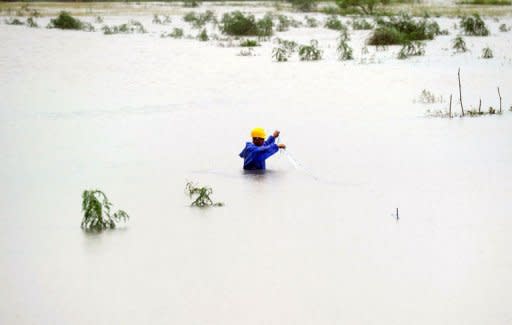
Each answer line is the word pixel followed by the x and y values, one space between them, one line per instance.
pixel 272 138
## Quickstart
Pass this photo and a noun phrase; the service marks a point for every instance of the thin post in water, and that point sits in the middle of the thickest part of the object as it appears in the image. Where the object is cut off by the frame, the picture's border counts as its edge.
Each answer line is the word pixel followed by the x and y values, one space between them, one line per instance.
pixel 450 109
pixel 460 94
pixel 499 94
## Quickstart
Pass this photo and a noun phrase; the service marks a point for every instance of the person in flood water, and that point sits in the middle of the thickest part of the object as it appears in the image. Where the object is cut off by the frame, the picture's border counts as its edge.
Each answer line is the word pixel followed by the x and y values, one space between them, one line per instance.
pixel 256 152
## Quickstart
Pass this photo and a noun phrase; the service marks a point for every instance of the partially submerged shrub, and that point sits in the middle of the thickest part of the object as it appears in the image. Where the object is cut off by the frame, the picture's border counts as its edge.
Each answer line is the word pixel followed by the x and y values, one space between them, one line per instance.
pixel 343 49
pixel 459 45
pixel 201 196
pixel 473 25
pixel 97 216
pixel 98 20
pixel 403 29
pixel 132 26
pixel 310 52
pixel 311 22
pixel 333 22
pixel 361 24
pixel 487 53
pixel 65 21
pixel 203 35
pixel 427 97
pixel 238 24
pixel 14 21
pixel 31 22
pixel 504 28
pixel 246 52
pixel 249 43
pixel 284 51
pixel 280 54
pixel 176 33
pixel 415 48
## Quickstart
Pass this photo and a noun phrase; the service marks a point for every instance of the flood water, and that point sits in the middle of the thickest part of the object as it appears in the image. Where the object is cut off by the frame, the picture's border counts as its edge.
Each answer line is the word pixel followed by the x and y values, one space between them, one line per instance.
pixel 315 240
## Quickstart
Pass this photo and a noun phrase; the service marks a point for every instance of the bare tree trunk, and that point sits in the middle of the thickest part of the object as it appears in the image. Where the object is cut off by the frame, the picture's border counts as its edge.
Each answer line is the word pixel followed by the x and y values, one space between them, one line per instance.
pixel 460 94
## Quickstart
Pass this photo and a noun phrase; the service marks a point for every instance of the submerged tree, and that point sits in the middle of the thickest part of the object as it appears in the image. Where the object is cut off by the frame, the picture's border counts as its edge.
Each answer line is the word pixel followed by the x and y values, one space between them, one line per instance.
pixel 97 215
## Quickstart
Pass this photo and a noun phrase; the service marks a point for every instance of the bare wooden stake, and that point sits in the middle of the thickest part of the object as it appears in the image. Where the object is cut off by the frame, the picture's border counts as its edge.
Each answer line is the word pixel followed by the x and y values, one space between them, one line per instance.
pixel 460 94
pixel 397 214
pixel 479 105
pixel 500 98
pixel 450 109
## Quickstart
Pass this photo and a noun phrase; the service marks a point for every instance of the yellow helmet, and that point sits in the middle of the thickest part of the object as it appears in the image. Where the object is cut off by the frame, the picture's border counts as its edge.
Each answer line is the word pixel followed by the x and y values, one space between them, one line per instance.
pixel 258 133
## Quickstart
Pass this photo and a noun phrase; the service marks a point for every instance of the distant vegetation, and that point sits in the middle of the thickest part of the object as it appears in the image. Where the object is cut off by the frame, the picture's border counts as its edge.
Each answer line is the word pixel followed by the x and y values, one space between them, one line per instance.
pixel 504 28
pixel 97 216
pixel 203 36
pixel 485 2
pixel 361 24
pixel 334 23
pixel 284 51
pixel 238 24
pixel 403 29
pixel 365 7
pixel 14 21
pixel 303 5
pixel 311 22
pixel 473 25
pixel 200 20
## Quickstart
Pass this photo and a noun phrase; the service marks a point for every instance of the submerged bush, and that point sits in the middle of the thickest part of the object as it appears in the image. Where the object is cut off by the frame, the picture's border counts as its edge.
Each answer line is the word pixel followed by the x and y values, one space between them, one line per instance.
pixel 284 51
pixel 14 21
pixel 504 28
pixel 97 215
pixel 343 49
pixel 334 23
pixel 132 26
pixel 310 52
pixel 98 20
pixel 473 25
pixel 176 33
pixel 201 196
pixel 203 36
pixel 415 48
pixel 459 45
pixel 238 24
pixel 361 24
pixel 487 53
pixel 403 29
pixel 65 21
pixel 249 43
pixel 311 22
pixel 31 22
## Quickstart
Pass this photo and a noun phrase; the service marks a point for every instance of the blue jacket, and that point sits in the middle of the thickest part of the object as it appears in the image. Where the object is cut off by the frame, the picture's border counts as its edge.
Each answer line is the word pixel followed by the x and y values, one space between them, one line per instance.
pixel 254 156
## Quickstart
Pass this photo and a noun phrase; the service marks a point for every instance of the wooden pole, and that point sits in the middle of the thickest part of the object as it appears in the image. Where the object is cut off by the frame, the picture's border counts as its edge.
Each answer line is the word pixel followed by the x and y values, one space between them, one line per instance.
pixel 397 214
pixel 500 98
pixel 479 105
pixel 450 109
pixel 460 95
